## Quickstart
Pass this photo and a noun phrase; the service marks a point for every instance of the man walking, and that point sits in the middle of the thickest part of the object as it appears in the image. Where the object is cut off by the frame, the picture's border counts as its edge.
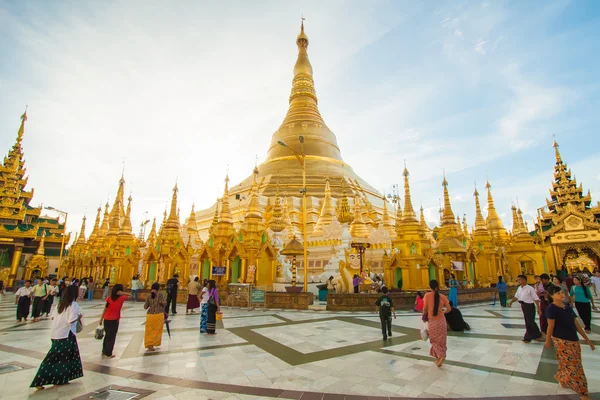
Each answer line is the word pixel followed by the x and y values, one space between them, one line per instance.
pixel 530 302
pixel 385 306
pixel 172 286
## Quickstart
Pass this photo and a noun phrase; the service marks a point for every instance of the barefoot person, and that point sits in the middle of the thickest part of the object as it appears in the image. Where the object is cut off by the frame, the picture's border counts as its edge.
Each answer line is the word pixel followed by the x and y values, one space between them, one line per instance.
pixel 562 334
pixel 63 362
pixel 529 300
pixel 435 305
pixel 111 316
pixel 155 317
pixel 23 301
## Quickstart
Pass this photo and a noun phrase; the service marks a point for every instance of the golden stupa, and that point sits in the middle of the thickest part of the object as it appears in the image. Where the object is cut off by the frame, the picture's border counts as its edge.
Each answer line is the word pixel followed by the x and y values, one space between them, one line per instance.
pixel 322 154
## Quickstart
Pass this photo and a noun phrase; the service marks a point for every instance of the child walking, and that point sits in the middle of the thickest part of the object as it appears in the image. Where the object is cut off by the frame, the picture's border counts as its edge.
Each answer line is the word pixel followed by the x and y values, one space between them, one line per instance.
pixel 385 306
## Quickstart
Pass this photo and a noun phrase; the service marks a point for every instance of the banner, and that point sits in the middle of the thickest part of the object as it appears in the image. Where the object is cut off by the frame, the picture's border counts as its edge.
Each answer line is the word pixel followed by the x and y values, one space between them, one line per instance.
pixel 457 265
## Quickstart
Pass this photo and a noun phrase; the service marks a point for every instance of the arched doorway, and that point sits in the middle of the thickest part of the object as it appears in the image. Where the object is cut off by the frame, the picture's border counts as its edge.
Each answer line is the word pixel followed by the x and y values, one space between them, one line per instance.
pixel 236 264
pixel 398 277
pixel 432 272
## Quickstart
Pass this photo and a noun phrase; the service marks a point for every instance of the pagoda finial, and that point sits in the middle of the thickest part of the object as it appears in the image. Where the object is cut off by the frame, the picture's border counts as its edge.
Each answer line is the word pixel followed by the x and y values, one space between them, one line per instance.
pixel 344 215
pixel 225 216
pixel 556 152
pixel 81 238
pixel 327 213
pixel 104 228
pixel 493 220
pixel 448 215
pixel 480 224
pixel 385 219
pixel 173 219
pixel 215 220
pixel 96 228
pixel 409 213
pixel 126 228
pixel 22 127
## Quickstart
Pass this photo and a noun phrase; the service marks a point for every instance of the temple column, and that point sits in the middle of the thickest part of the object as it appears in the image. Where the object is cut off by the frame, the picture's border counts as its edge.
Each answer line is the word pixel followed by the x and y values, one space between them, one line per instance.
pixel 244 273
pixel 14 266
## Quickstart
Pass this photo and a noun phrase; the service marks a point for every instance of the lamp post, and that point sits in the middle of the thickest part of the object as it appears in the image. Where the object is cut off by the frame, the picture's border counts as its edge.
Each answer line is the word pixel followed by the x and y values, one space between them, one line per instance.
pixel 62 243
pixel 301 157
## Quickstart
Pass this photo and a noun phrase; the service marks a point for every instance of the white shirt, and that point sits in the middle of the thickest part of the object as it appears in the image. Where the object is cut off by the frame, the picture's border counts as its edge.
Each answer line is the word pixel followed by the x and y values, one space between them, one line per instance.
pixel 596 281
pixel 64 322
pixel 205 296
pixel 23 292
pixel 52 290
pixel 527 294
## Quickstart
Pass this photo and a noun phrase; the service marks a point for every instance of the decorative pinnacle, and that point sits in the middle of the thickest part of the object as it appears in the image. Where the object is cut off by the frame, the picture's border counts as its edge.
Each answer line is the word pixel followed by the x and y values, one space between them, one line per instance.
pixel 556 152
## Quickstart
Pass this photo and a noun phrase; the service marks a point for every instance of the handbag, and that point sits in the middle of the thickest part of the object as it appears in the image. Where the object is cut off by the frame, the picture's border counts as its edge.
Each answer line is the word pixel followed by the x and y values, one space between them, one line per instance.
pixel 79 326
pixel 425 332
pixel 425 317
pixel 99 332
pixel 219 316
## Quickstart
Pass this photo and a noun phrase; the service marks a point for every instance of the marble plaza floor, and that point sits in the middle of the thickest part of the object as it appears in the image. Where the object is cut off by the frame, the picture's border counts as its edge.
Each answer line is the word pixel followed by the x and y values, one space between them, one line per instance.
pixel 295 354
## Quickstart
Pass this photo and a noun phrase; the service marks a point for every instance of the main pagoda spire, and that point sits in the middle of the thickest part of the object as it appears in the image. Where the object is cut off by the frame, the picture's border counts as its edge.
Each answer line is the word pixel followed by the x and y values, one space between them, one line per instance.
pixel 408 215
pixel 303 116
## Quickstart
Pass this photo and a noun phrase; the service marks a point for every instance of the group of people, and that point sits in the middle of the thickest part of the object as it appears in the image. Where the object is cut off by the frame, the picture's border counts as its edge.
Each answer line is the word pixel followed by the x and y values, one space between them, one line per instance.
pixel 41 295
pixel 559 326
pixel 63 362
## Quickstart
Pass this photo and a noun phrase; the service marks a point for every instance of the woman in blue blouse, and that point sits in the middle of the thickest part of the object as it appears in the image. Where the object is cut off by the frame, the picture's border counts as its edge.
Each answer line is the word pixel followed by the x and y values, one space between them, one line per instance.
pixel 453 295
pixel 582 297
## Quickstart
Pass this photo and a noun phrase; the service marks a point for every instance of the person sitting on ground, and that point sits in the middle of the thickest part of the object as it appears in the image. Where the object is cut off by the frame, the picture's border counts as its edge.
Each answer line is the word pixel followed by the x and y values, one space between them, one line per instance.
pixel 455 320
pixel 419 302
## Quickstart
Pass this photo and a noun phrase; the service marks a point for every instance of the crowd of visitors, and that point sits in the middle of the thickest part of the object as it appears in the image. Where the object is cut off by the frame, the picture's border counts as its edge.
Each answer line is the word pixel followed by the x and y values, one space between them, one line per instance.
pixel 555 298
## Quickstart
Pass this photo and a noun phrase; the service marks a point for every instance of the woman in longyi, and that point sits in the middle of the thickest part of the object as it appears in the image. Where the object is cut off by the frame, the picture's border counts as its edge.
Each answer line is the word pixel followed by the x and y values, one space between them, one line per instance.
pixel 155 317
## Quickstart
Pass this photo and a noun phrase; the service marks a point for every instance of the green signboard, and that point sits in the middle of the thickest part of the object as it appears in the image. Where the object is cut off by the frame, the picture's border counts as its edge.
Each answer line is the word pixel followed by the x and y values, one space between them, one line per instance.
pixel 257 296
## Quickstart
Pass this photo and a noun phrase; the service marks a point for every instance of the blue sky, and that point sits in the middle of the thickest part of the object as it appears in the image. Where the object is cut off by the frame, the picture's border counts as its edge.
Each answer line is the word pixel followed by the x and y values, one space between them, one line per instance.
pixel 471 87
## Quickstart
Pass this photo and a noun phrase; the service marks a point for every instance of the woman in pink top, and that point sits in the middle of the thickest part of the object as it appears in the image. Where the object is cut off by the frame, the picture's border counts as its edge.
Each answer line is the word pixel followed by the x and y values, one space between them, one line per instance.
pixel 435 305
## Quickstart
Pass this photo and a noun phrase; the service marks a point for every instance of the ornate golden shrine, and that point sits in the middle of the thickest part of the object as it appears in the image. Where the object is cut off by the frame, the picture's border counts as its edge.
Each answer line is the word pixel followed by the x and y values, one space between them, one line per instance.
pixel 22 228
pixel 246 236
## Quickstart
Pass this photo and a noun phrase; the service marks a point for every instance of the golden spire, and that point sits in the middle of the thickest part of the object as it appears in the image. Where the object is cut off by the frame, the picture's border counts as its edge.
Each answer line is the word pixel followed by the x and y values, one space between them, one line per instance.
pixel 22 128
pixel 516 228
pixel 398 216
pixel 215 220
pixel 105 222
pixel 225 216
pixel 459 226
pixel 327 211
pixel 152 236
pixel 173 220
pixel 385 219
pixel 358 227
pixel 344 216
pixel 163 223
pixel 422 218
pixel 253 210
pixel 556 152
pixel 409 213
pixel 81 238
pixel 494 223
pixel 126 227
pixel 287 219
pixel 465 227
pixel 303 116
pixel 521 221
pixel 94 233
pixel 277 223
pixel 40 250
pixel 480 225
pixel 448 215
pixel 192 226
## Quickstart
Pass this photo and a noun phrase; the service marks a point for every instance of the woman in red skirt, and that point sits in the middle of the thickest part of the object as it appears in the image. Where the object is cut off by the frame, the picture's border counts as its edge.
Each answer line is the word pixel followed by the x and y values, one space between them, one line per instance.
pixel 193 301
